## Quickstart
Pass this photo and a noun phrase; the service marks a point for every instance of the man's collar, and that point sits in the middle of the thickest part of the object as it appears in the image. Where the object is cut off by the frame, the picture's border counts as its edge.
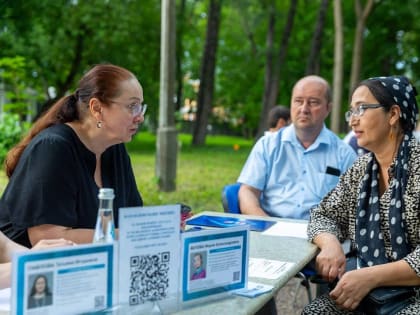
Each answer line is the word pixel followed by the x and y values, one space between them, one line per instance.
pixel 289 134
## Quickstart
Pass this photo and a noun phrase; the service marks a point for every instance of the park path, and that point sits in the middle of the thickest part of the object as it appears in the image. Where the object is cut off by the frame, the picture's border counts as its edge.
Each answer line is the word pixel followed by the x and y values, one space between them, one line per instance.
pixel 286 301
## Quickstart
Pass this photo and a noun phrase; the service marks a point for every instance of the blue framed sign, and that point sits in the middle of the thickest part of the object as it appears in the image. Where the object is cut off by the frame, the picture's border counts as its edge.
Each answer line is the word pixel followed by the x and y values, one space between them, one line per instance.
pixel 66 280
pixel 214 262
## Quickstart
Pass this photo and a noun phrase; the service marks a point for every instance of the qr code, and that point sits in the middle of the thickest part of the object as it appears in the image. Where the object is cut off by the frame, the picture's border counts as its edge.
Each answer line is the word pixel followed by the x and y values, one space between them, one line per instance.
pixel 149 277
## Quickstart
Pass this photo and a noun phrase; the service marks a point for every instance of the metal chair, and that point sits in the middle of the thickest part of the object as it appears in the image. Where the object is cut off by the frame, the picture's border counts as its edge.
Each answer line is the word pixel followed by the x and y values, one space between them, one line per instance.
pixel 230 203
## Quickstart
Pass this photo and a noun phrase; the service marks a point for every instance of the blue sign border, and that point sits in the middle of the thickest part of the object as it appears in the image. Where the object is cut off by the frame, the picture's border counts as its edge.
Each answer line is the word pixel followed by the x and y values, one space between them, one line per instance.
pixel 216 290
pixel 63 252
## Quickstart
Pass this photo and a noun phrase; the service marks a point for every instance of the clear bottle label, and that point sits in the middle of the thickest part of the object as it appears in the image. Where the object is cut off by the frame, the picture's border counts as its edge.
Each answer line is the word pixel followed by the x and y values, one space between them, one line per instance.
pixel 105 229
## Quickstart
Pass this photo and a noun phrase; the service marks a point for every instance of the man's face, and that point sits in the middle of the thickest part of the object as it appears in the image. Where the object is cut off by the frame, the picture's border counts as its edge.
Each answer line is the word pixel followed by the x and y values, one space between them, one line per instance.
pixel 309 105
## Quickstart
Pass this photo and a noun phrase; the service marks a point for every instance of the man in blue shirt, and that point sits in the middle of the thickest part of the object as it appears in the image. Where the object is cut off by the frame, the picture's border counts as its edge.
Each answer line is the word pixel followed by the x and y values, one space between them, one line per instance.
pixel 290 171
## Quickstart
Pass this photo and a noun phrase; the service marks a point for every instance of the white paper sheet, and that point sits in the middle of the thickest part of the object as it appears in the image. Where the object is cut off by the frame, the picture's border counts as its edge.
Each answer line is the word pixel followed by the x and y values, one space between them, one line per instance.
pixel 267 269
pixel 290 229
pixel 254 289
pixel 5 299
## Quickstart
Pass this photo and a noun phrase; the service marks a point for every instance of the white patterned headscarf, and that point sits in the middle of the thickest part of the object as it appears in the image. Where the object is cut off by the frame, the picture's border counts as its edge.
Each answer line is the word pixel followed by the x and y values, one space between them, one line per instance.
pixel 369 237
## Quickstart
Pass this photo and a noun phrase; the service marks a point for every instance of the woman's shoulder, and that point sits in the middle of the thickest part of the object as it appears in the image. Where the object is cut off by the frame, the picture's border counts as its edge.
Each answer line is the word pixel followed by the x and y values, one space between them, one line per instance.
pixel 56 140
pixel 55 135
pixel 58 131
pixel 414 159
pixel 415 147
pixel 359 165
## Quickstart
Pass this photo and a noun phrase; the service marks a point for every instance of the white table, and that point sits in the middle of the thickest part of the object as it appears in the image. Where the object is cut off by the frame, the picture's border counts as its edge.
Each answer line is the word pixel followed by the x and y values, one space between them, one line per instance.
pixel 289 249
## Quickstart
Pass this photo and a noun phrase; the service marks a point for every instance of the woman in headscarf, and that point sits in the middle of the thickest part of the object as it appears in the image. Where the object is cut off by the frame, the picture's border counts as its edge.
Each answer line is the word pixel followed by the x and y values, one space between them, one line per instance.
pixel 375 204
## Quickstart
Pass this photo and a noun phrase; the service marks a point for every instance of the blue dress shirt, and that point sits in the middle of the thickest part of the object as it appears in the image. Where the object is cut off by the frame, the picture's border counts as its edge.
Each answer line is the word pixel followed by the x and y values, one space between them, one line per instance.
pixel 293 179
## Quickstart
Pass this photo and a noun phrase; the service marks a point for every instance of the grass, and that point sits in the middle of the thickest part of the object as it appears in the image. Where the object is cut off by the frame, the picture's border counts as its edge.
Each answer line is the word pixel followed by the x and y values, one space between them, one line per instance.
pixel 201 171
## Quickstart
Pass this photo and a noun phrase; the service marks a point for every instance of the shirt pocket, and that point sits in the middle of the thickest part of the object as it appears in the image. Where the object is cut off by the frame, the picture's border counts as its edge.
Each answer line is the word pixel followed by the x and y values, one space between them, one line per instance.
pixel 323 183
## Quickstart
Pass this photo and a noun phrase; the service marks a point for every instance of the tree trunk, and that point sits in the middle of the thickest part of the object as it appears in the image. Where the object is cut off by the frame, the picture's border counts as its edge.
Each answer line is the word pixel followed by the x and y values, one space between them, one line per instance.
pixel 271 88
pixel 338 67
pixel 361 17
pixel 208 64
pixel 166 140
pixel 312 66
pixel 249 30
pixel 179 49
pixel 270 70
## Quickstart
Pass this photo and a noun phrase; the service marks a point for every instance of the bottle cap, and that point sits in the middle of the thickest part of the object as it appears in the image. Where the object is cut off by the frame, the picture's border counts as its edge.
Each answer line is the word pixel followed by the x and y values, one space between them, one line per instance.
pixel 106 193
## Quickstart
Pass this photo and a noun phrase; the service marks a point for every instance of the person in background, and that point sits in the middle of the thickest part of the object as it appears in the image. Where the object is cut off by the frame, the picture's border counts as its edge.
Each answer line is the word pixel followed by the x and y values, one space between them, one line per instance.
pixel 290 171
pixel 278 117
pixel 71 151
pixel 8 248
pixel 375 204
pixel 351 139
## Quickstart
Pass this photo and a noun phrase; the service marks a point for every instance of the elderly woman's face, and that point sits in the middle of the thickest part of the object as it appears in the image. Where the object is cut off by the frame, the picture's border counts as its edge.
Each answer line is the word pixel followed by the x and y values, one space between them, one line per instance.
pixel 121 120
pixel 372 127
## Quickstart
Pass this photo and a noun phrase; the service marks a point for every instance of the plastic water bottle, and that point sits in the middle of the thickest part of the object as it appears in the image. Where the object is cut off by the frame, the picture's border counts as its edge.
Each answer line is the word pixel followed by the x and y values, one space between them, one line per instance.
pixel 105 228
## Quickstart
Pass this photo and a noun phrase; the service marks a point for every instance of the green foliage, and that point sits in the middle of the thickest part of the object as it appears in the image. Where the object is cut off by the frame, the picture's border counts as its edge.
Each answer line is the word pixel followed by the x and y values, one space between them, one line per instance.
pixel 64 38
pixel 11 130
pixel 15 82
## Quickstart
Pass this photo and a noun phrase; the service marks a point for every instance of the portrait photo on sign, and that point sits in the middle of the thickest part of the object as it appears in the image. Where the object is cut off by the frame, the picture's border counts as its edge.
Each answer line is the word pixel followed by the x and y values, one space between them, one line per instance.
pixel 198 265
pixel 40 288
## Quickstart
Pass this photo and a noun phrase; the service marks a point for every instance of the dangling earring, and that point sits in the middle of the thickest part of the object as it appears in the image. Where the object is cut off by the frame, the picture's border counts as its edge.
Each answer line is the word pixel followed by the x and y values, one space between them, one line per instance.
pixel 391 133
pixel 99 124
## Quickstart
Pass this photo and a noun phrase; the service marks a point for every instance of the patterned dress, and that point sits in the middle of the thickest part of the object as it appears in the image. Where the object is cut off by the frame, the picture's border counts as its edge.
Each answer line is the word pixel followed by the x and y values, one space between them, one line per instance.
pixel 336 214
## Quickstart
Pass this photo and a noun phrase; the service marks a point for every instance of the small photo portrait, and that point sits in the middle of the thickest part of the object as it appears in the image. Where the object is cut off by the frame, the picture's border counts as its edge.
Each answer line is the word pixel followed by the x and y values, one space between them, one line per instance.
pixel 40 290
pixel 198 265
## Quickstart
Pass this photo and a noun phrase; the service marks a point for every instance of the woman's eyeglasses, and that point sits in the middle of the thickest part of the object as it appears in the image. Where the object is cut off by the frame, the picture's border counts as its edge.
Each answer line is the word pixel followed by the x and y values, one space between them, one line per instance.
pixel 134 108
pixel 137 108
pixel 359 111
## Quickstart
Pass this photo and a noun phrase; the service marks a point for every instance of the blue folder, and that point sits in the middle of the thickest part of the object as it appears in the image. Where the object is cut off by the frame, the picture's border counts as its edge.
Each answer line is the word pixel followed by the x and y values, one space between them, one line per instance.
pixel 222 221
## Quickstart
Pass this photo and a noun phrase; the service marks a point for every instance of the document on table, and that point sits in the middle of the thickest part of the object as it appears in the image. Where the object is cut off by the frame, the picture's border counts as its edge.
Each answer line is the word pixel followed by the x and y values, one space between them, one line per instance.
pixel 5 295
pixel 289 229
pixel 267 269
pixel 253 289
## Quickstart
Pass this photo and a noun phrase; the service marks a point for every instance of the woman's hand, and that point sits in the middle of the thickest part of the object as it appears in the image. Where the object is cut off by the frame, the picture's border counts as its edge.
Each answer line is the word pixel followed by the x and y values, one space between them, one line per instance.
pixel 331 261
pixel 352 287
pixel 61 242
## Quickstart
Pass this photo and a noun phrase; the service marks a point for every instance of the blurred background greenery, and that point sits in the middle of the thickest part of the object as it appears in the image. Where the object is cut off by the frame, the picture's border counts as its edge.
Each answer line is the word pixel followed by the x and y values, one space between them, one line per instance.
pixel 201 171
pixel 260 48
